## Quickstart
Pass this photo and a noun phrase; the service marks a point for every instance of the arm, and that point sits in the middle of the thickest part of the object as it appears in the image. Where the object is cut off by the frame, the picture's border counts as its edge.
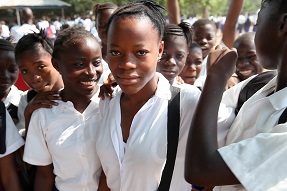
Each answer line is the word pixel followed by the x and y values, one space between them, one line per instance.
pixel 203 164
pixel 44 178
pixel 41 100
pixel 103 186
pixel 229 30
pixel 8 173
pixel 173 11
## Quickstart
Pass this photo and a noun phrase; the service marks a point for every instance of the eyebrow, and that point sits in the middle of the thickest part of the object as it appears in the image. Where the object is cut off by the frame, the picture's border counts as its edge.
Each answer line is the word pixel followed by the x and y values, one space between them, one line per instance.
pixel 137 45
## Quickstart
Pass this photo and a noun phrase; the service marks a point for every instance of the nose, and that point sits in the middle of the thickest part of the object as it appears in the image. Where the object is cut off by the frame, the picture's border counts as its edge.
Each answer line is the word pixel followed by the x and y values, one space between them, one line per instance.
pixel 34 77
pixel 192 67
pixel 128 62
pixel 202 41
pixel 242 61
pixel 171 62
pixel 91 70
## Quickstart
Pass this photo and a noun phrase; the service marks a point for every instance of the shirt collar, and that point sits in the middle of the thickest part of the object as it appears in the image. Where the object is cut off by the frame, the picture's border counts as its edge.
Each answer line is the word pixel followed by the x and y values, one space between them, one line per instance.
pixel 279 98
pixel 163 88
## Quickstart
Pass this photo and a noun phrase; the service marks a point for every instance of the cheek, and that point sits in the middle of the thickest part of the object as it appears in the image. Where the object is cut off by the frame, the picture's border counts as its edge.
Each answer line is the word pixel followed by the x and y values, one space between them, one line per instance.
pixel 198 69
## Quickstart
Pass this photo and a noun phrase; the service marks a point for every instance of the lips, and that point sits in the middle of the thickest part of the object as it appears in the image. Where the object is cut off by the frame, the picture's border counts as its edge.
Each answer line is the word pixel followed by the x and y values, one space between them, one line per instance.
pixel 127 79
pixel 247 72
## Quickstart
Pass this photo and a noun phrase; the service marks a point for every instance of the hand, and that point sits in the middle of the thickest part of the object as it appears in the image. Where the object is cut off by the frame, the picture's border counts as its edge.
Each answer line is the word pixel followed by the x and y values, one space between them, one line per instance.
pixel 108 87
pixel 232 81
pixel 221 62
pixel 42 100
pixel 179 80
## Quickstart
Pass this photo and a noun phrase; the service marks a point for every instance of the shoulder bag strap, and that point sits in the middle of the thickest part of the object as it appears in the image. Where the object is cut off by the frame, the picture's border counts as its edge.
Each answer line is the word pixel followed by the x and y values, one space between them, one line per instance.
pixel 2 128
pixel 173 122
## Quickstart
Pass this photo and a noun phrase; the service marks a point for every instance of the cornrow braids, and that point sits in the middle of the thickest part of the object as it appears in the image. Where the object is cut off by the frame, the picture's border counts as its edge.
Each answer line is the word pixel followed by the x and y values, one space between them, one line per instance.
pixel 32 42
pixel 182 29
pixel 6 45
pixel 100 7
pixel 68 37
pixel 141 8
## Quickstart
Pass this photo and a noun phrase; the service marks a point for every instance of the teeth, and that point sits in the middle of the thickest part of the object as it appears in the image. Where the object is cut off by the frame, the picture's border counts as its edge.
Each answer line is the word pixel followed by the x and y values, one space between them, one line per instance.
pixel 88 83
pixel 245 72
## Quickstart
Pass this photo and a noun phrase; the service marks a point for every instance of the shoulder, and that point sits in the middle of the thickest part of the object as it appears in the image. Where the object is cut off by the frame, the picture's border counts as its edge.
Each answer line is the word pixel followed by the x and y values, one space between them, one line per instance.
pixel 189 93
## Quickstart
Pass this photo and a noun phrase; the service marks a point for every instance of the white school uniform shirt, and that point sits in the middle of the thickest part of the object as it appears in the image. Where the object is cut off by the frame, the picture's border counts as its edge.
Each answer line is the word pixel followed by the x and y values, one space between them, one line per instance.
pixel 21 108
pixel 199 82
pixel 13 139
pixel 13 97
pixel 67 138
pixel 256 144
pixel 138 164
pixel 17 32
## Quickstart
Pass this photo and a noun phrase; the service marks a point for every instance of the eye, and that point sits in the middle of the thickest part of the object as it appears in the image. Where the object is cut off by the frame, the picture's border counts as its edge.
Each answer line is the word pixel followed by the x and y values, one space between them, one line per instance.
pixel 180 56
pixel 197 63
pixel 41 67
pixel 24 71
pixel 79 64
pixel 209 38
pixel 115 53
pixel 142 52
pixel 97 63
pixel 163 54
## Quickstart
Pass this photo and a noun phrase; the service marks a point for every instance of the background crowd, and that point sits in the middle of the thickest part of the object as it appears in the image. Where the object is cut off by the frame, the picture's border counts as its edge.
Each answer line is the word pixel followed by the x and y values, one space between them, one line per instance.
pixel 87 102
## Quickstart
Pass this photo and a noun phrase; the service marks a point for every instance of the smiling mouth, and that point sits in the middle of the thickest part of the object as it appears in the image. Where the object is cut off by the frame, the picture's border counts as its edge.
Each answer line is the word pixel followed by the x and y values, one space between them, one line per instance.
pixel 245 72
pixel 89 83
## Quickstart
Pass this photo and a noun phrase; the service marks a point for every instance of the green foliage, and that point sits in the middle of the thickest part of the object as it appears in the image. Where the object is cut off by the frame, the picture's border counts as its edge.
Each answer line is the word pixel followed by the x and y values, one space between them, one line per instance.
pixel 188 7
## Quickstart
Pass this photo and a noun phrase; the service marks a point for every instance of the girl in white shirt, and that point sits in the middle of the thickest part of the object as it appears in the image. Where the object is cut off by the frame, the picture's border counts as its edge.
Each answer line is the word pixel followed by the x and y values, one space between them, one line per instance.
pixel 132 141
pixel 61 141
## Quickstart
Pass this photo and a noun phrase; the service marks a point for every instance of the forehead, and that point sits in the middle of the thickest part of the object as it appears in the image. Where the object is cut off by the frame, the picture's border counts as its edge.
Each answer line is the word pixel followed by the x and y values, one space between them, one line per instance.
pixel 204 29
pixel 104 14
pixel 175 40
pixel 132 28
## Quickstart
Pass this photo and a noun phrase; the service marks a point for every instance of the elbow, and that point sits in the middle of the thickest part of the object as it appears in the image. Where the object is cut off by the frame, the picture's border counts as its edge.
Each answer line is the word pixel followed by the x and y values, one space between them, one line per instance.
pixel 198 173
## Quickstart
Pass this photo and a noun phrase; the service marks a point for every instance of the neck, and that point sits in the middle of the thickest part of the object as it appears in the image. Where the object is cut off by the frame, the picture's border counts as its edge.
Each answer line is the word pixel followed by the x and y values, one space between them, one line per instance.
pixel 4 95
pixel 141 97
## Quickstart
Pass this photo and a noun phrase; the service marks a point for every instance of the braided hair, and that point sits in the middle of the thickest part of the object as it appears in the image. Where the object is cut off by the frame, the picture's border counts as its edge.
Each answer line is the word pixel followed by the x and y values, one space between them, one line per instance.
pixel 33 42
pixel 6 45
pixel 141 8
pixel 68 37
pixel 182 29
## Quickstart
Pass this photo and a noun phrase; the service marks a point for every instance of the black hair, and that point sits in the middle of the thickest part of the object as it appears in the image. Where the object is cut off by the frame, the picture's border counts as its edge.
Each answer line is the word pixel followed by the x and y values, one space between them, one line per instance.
pixel 141 8
pixel 246 36
pixel 100 7
pixel 6 45
pixel 195 45
pixel 280 7
pixel 68 37
pixel 201 22
pixel 33 42
pixel 182 29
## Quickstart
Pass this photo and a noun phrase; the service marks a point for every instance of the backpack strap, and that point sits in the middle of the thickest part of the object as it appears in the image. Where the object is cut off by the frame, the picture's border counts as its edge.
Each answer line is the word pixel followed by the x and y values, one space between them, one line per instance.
pixel 173 122
pixel 253 86
pixel 13 111
pixel 2 128
pixel 30 95
pixel 283 117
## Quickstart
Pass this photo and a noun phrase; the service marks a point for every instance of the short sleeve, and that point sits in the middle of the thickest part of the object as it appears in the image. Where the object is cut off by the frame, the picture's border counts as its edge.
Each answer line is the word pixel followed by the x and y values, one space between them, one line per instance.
pixel 262 157
pixel 21 108
pixel 13 139
pixel 36 150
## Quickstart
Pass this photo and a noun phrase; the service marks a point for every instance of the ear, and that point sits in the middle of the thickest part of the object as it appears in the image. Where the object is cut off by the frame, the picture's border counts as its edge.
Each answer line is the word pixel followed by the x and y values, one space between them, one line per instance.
pixel 161 48
pixel 283 24
pixel 55 63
